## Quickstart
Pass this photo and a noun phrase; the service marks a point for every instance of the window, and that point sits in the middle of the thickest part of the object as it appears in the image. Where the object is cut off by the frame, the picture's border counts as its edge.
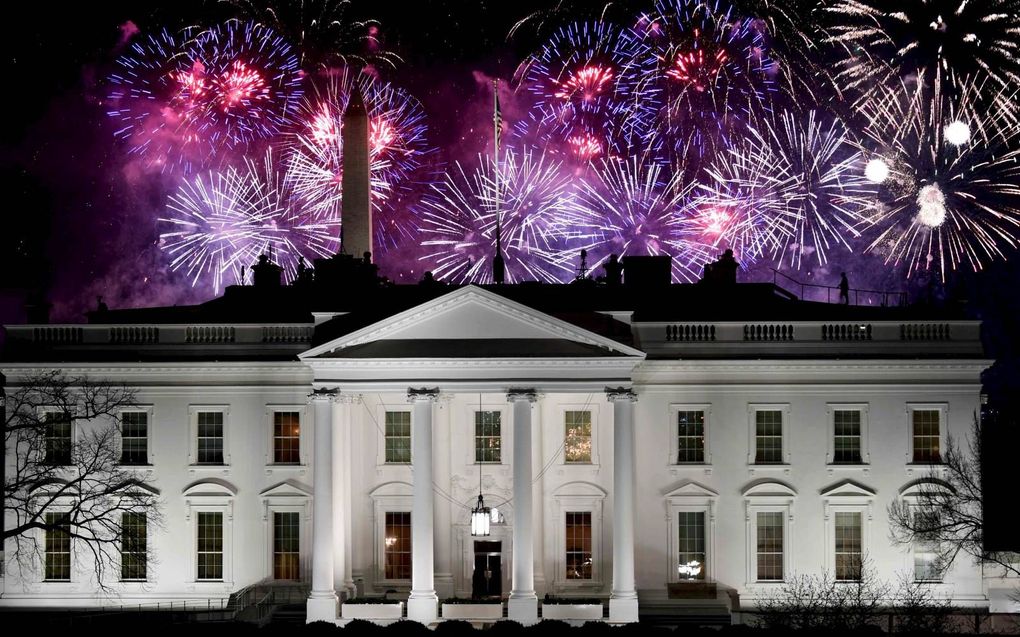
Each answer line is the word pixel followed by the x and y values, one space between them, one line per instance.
pixel 488 440
pixel 286 437
pixel 578 545
pixel 397 549
pixel 768 436
pixel 58 437
pixel 210 545
pixel 846 436
pixel 210 437
pixel 926 553
pixel 848 549
pixel 134 438
pixel 286 545
pixel 926 435
pixel 133 547
pixel 691 542
pixel 398 437
pixel 690 437
pixel 577 437
pixel 58 548
pixel 770 546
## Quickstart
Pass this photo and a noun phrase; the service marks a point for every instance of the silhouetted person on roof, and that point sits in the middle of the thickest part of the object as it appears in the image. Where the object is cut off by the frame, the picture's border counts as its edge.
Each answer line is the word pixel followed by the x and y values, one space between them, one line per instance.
pixel 100 305
pixel 844 289
pixel 614 270
pixel 722 270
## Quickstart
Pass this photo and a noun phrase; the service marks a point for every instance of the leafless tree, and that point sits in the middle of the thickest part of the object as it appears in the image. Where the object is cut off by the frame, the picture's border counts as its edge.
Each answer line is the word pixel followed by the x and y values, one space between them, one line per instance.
pixel 65 478
pixel 919 609
pixel 947 511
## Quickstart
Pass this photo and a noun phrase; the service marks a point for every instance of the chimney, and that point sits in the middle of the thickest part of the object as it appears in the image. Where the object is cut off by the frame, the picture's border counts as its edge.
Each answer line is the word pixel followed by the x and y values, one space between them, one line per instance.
pixel 356 205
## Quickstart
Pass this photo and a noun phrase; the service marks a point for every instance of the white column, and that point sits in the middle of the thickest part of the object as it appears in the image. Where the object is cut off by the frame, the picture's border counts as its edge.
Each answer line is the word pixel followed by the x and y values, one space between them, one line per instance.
pixel 322 601
pixel 444 514
pixel 623 604
pixel 423 603
pixel 523 603
pixel 341 503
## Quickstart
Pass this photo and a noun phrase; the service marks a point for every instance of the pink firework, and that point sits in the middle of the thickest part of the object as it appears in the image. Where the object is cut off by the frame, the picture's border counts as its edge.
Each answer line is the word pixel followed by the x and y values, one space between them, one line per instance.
pixel 586 84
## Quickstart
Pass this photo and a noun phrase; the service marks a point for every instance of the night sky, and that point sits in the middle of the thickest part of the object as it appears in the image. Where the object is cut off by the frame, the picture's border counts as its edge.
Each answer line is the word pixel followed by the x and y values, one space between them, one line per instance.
pixel 75 227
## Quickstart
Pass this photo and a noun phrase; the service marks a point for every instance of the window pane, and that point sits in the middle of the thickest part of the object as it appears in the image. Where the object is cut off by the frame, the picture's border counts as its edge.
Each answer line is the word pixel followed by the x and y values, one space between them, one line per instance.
pixel 577 439
pixel 286 437
pixel 770 546
pixel 578 545
pixel 398 437
pixel 397 547
pixel 58 548
pixel 134 438
pixel 691 540
pixel 58 437
pixel 690 436
pixel 848 545
pixel 847 436
pixel 210 545
pixel 210 437
pixel 768 426
pixel 286 545
pixel 926 435
pixel 133 547
pixel 488 438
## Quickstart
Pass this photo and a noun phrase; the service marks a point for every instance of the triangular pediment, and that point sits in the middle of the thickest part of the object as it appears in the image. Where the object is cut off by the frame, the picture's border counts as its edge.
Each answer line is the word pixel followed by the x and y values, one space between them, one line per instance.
pixel 471 322
pixel 848 489
pixel 287 489
pixel 691 489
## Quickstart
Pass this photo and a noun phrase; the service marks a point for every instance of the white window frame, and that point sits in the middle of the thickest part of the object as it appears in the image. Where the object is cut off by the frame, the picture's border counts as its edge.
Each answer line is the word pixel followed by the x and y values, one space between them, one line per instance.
pixel 72 553
pixel 505 430
pixel 594 411
pixel 193 465
pixel 578 497
pixel 674 437
pixel 303 423
pixel 691 497
pixel 830 457
pixel 148 562
pixel 909 496
pixel 847 497
pixel 287 498
pixel 767 497
pixel 943 409
pixel 41 412
pixel 392 497
pixel 210 497
pixel 752 409
pixel 149 411
pixel 380 413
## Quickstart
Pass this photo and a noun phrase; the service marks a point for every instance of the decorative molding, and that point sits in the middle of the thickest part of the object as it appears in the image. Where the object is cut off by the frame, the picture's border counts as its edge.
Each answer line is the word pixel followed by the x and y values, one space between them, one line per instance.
pixel 614 394
pixel 515 394
pixel 324 393
pixel 423 394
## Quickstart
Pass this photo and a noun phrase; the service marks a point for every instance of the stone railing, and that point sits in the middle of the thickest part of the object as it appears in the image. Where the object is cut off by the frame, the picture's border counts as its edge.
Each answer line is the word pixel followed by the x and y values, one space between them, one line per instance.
pixel 846 332
pixel 924 331
pixel 58 334
pixel 690 333
pixel 768 332
pixel 210 334
pixel 286 334
pixel 134 334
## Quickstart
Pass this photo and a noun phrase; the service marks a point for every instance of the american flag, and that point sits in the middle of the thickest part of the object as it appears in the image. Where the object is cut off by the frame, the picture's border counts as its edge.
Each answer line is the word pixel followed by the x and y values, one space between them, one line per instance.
pixel 497 115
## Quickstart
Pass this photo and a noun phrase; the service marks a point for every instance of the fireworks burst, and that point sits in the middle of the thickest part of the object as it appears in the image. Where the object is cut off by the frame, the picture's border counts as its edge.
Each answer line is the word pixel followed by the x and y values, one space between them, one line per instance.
pixel 398 149
pixel 945 202
pixel 527 194
pixel 889 40
pixel 637 207
pixel 801 181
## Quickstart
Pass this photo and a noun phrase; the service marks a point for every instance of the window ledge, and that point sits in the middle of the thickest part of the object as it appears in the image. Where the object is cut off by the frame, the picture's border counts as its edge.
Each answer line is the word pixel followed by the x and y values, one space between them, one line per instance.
pixel 769 468
pixel 687 467
pixel 209 468
pixel 300 469
pixel 832 467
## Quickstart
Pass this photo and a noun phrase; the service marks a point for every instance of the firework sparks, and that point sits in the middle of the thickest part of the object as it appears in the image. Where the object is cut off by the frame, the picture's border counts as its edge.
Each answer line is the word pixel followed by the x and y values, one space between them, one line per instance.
pixel 944 204
pixel 527 195
pixel 637 207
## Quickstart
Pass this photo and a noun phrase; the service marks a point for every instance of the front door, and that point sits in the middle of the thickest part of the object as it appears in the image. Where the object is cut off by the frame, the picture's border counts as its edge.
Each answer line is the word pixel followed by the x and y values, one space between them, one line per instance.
pixel 487 578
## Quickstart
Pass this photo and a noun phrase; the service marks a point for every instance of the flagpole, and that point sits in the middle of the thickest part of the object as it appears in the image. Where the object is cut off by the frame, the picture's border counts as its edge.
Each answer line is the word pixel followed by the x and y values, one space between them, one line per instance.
pixel 498 266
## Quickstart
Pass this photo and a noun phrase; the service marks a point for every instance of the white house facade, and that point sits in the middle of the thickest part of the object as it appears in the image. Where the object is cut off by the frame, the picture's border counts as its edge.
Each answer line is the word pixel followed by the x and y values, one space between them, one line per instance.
pixel 627 441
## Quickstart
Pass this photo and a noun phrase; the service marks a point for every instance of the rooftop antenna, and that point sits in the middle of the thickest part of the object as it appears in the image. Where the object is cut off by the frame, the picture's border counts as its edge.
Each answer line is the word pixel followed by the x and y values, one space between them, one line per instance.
pixel 582 270
pixel 498 265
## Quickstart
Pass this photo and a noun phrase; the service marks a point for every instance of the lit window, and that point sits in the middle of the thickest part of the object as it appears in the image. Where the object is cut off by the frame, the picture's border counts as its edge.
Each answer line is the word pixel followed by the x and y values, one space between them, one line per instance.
pixel 488 440
pixel 134 438
pixel 926 552
pixel 849 547
pixel 133 547
pixel 286 545
pixel 286 437
pixel 58 437
pixel 770 546
pixel 577 439
pixel 691 543
pixel 690 436
pixel 847 436
pixel 58 548
pixel 210 545
pixel 768 436
pixel 397 545
pixel 926 438
pixel 578 545
pixel 210 437
pixel 398 437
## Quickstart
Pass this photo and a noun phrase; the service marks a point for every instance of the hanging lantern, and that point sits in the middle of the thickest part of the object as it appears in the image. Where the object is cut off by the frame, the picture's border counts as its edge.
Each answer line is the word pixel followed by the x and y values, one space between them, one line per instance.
pixel 480 519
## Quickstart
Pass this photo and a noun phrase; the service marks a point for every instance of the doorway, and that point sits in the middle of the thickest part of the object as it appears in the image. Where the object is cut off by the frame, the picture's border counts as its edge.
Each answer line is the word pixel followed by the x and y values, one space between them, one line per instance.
pixel 487 577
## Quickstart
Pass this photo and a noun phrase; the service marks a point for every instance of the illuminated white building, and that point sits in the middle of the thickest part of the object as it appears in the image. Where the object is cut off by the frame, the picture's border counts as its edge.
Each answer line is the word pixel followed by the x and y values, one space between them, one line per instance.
pixel 621 432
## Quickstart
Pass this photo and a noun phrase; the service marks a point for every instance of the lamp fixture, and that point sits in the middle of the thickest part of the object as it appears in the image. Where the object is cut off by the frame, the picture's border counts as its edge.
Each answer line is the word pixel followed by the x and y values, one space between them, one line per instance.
pixel 481 515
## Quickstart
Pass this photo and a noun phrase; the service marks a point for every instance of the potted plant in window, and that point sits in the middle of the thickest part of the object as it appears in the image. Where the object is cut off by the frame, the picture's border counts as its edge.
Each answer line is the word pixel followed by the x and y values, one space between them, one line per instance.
pixel 470 608
pixel 372 608
pixel 571 608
